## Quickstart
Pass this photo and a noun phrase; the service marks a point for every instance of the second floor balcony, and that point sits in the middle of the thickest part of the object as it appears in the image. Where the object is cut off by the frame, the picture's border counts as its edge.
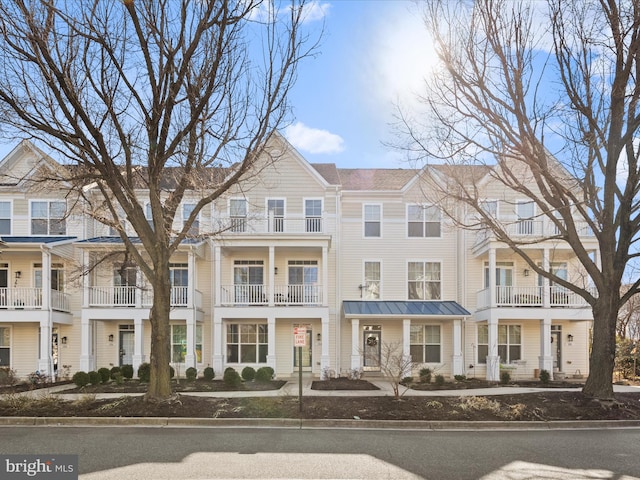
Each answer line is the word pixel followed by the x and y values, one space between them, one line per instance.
pixel 279 295
pixel 135 297
pixel 509 296
pixel 28 298
pixel 273 225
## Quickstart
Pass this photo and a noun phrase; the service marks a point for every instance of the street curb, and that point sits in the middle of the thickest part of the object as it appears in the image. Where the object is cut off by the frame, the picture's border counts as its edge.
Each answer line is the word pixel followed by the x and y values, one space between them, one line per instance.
pixel 294 423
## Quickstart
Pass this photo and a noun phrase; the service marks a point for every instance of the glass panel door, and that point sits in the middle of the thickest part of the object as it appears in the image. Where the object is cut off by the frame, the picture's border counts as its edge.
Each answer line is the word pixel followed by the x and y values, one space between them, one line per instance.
pixel 126 347
pixel 371 347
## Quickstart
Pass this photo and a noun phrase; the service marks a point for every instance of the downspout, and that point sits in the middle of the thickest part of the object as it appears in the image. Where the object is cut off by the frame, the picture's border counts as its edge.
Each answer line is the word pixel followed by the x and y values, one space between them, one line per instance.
pixel 49 354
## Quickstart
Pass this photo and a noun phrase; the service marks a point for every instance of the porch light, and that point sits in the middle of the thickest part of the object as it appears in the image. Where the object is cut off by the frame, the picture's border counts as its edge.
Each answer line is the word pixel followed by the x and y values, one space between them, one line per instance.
pixel 64 340
pixel 319 337
pixel 526 272
pixel 111 338
pixel 570 338
pixel 18 275
pixel 275 270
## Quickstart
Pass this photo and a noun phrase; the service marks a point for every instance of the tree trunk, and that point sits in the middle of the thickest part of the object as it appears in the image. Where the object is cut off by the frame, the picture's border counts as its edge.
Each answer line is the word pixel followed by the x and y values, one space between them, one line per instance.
pixel 599 384
pixel 160 381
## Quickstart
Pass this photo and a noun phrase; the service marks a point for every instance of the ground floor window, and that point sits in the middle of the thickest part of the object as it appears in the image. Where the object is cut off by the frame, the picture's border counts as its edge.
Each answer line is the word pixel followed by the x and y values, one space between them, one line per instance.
pixel 425 343
pixel 509 343
pixel 247 343
pixel 179 343
pixel 5 347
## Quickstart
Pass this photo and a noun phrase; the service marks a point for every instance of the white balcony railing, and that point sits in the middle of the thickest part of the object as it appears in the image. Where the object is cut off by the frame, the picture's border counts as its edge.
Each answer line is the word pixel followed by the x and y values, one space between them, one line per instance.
pixel 138 297
pixel 506 296
pixel 272 225
pixel 531 228
pixel 27 298
pixel 239 295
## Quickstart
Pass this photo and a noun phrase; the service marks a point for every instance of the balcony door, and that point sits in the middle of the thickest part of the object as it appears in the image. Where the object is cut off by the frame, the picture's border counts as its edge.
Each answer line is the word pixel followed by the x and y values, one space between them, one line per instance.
pixel 525 212
pixel 4 283
pixel 303 281
pixel 504 281
pixel 248 281
pixel 275 213
pixel 179 278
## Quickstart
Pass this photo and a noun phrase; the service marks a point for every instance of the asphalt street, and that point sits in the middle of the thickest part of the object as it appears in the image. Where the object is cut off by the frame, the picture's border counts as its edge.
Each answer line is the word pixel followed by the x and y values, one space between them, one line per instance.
pixel 229 453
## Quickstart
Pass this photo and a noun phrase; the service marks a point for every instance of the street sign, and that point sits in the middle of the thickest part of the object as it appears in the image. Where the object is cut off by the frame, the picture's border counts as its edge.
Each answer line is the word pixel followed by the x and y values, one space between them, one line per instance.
pixel 300 336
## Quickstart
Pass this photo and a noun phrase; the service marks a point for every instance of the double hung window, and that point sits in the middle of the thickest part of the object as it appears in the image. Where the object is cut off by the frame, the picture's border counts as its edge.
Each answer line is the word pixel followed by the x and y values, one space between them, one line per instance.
pixel 48 218
pixel 423 221
pixel 247 343
pixel 425 344
pixel 424 282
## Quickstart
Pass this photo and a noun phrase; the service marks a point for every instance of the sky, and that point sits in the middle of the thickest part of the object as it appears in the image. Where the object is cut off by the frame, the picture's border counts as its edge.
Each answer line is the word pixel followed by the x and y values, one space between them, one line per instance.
pixel 372 56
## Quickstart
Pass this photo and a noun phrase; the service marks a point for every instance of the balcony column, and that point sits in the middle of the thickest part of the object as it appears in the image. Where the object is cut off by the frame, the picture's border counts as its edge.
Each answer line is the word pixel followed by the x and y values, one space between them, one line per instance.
pixel 492 277
pixel 190 356
pixel 191 279
pixel 325 276
pixel 86 359
pixel 546 290
pixel 456 360
pixel 138 343
pixel 545 360
pixel 272 275
pixel 324 357
pixel 406 347
pixel 271 338
pixel 217 342
pixel 138 291
pixel 493 359
pixel 86 282
pixel 217 275
pixel 356 360
pixel 45 362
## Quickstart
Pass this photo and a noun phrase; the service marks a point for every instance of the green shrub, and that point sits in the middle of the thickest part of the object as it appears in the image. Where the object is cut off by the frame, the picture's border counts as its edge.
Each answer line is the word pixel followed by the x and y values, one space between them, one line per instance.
pixel 118 378
pixel 248 374
pixel 95 378
pixel 460 378
pixel 81 379
pixel 127 371
pixel 264 374
pixel 439 380
pixel 425 375
pixel 191 374
pixel 505 377
pixel 105 374
pixel 114 371
pixel 407 380
pixel 144 372
pixel 231 378
pixel 545 376
pixel 209 373
pixel 7 376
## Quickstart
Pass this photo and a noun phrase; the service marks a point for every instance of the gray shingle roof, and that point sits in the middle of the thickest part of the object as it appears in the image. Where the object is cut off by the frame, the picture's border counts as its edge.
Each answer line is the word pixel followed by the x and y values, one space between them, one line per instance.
pixel 404 308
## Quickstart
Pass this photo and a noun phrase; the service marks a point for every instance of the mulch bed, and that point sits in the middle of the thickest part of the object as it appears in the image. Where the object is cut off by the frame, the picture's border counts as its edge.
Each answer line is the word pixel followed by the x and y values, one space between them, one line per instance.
pixel 342 383
pixel 183 386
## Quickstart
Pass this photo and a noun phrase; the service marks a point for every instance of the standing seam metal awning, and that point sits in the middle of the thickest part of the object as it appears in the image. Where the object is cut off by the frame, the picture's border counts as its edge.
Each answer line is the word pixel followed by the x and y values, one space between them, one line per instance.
pixel 363 308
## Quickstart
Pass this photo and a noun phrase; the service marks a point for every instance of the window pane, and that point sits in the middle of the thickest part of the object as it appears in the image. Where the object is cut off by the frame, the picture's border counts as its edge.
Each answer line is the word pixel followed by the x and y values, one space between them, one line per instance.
pixel 313 208
pixel 232 334
pixel 4 337
pixel 502 334
pixel 415 229
pixel 514 334
pixel 432 291
pixel 57 209
pixel 58 227
pixel 502 353
pixel 432 353
pixel 263 336
pixel 39 210
pixel 248 334
pixel 432 271
pixel 232 353
pixel 417 353
pixel 483 334
pixel 416 271
pixel 372 213
pixel 432 334
pixel 372 229
pixel 238 207
pixel 432 229
pixel 179 333
pixel 248 354
pixel 262 353
pixel 39 227
pixel 415 334
pixel 514 353
pixel 5 209
pixel 415 213
pixel 5 227
pixel 483 351
pixel 432 214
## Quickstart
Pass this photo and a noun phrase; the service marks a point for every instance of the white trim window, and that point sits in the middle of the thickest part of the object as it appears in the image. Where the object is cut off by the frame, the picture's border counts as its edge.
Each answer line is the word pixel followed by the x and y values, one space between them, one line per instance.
pixel 425 343
pixel 372 214
pixel 313 215
pixel 238 214
pixel 48 218
pixel 509 343
pixel 57 276
pixel 247 342
pixel 275 214
pixel 187 209
pixel 179 343
pixel 372 280
pixel 424 221
pixel 424 281
pixel 5 347
pixel 525 210
pixel 5 218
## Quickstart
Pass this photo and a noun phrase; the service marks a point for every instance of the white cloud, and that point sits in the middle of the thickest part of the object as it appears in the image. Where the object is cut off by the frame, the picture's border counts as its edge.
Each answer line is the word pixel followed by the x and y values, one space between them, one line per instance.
pixel 313 140
pixel 314 11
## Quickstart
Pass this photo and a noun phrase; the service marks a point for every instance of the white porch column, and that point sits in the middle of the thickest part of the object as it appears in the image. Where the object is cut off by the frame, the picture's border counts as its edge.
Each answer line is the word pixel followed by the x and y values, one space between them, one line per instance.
pixel 45 362
pixel 545 360
pixel 356 360
pixel 493 360
pixel 546 297
pixel 271 348
pixel 325 276
pixel 191 279
pixel 272 275
pixel 324 357
pixel 492 277
pixel 456 360
pixel 217 253
pixel 217 360
pixel 86 282
pixel 138 343
pixel 190 356
pixel 406 347
pixel 86 355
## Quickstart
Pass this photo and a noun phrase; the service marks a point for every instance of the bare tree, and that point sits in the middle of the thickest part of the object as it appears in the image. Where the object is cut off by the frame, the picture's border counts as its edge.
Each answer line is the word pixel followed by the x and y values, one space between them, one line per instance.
pixel 544 98
pixel 149 100
pixel 628 325
pixel 394 365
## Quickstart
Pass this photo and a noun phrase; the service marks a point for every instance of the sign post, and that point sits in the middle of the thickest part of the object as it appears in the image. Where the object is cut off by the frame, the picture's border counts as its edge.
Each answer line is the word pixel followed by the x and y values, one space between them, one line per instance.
pixel 300 340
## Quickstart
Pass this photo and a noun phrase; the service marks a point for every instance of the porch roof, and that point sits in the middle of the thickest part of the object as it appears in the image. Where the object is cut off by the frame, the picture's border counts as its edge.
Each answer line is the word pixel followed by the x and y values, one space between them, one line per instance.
pixel 136 240
pixel 35 239
pixel 402 308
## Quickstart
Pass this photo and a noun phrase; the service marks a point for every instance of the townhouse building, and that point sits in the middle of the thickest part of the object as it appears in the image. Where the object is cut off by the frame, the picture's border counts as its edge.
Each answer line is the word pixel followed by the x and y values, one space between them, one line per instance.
pixel 359 257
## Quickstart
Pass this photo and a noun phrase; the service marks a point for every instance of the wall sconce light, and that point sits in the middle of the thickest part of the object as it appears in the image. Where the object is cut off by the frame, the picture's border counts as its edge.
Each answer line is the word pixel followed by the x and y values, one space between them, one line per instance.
pixel 18 275
pixel 319 337
pixel 570 338
pixel 275 270
pixel 64 340
pixel 526 272
pixel 111 338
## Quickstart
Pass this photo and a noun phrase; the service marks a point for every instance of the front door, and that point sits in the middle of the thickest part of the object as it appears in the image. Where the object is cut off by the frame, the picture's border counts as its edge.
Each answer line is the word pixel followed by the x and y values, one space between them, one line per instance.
pixel 54 349
pixel 307 351
pixel 4 283
pixel 371 347
pixel 126 347
pixel 556 347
